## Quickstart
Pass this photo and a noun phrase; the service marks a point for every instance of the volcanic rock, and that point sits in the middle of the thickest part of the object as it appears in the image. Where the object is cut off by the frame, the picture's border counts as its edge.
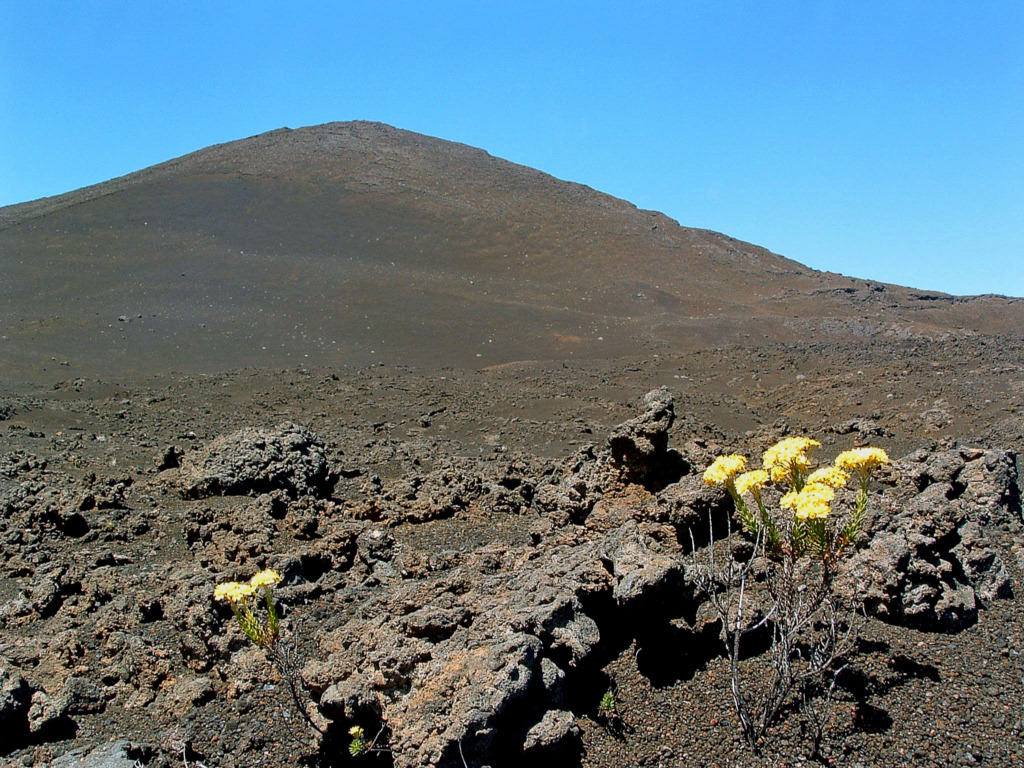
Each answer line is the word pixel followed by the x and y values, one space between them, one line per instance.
pixel 932 559
pixel 15 700
pixel 289 458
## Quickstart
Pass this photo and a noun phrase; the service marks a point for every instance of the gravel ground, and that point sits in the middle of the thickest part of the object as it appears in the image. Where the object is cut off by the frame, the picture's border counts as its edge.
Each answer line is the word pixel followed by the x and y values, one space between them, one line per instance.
pixel 908 697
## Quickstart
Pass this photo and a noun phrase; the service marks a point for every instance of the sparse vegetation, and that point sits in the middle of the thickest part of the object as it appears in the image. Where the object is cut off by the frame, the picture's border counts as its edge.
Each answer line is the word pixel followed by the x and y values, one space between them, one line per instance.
pixel 240 596
pixel 607 705
pixel 358 746
pixel 266 634
pixel 801 529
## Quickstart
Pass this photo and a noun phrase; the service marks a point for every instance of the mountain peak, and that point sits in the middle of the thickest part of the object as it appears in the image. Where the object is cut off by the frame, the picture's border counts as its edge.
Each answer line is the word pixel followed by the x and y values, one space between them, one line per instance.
pixel 357 242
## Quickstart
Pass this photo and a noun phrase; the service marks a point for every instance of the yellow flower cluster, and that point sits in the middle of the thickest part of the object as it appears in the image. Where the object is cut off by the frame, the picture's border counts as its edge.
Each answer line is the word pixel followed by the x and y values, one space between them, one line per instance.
pixel 358 745
pixel 788 458
pixel 238 593
pixel 861 459
pixel 264 579
pixel 233 592
pixel 812 503
pixel 833 477
pixel 787 466
pixel 724 469
pixel 752 482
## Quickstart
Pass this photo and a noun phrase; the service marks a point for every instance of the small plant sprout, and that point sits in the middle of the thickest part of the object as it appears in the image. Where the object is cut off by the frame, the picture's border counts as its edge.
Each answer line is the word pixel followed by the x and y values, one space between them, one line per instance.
pixel 608 712
pixel 358 746
pixel 241 596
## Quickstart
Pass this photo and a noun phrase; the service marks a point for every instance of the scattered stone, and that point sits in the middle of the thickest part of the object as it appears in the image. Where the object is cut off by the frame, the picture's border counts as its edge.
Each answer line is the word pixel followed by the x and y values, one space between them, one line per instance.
pixel 556 736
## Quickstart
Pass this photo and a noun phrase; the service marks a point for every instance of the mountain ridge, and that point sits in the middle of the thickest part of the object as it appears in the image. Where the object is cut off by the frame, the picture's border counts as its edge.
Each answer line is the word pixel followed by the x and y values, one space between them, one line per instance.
pixel 351 243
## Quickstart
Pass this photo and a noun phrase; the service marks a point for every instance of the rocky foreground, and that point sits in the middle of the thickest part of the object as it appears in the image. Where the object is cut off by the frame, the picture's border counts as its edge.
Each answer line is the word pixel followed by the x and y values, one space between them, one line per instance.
pixel 467 609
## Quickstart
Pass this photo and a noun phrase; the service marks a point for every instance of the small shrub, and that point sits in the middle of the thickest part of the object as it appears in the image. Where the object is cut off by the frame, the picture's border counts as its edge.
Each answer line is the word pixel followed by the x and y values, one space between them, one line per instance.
pixel 801 531
pixel 266 633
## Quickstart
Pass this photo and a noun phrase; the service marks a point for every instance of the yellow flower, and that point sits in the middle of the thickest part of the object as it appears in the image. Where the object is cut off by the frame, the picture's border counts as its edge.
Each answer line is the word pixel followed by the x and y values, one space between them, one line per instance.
pixel 833 477
pixel 724 469
pixel 233 592
pixel 356 732
pixel 811 503
pixel 788 458
pixel 861 459
pixel 267 578
pixel 751 482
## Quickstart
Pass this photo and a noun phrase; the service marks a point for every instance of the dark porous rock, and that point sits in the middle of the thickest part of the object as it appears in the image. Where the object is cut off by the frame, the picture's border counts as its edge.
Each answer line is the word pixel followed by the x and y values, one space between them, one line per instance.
pixel 942 467
pixel 992 488
pixel 170 458
pixel 42 599
pixel 862 427
pixel 444 660
pixel 932 557
pixel 552 678
pixel 105 493
pixel 692 507
pixel 81 696
pixel 289 458
pixel 46 713
pixel 981 563
pixel 636 453
pixel 644 579
pixel 569 501
pixel 557 735
pixel 18 463
pixel 435 624
pixel 639 447
pixel 442 493
pixel 15 700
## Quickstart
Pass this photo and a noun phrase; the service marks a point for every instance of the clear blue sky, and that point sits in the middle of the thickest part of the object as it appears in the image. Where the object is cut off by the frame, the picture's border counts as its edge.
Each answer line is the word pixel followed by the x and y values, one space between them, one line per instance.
pixel 878 139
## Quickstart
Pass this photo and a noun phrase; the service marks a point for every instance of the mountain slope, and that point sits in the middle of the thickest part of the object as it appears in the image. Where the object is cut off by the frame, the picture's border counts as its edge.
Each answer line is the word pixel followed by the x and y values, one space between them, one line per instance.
pixel 352 243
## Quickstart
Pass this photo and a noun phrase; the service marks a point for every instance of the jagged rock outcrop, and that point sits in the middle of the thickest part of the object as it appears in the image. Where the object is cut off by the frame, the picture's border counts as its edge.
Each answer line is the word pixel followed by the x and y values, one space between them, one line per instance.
pixel 444 660
pixel 289 458
pixel 933 555
pixel 636 453
pixel 638 448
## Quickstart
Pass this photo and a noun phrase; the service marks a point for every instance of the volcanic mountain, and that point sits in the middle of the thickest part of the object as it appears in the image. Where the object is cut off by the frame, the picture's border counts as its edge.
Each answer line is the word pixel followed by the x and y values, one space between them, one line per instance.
pixel 354 243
